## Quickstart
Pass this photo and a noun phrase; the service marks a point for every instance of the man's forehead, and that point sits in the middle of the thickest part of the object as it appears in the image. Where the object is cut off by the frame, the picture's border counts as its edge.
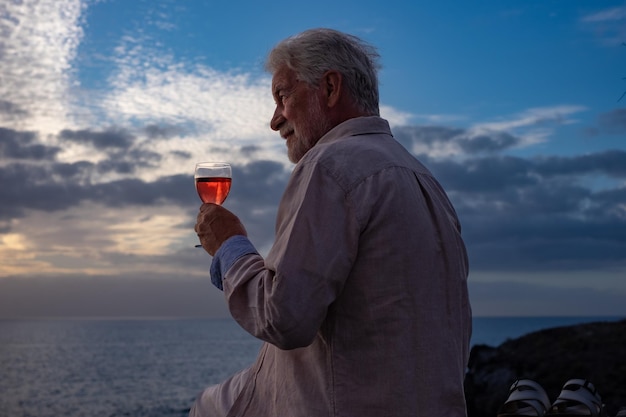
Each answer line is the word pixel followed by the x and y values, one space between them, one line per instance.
pixel 282 76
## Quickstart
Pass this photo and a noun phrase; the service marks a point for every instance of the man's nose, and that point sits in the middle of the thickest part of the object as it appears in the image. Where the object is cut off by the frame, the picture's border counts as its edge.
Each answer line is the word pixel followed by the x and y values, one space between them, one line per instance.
pixel 277 119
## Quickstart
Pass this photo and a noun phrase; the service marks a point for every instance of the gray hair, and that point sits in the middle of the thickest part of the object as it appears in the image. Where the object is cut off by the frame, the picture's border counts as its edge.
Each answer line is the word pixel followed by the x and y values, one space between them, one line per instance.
pixel 313 52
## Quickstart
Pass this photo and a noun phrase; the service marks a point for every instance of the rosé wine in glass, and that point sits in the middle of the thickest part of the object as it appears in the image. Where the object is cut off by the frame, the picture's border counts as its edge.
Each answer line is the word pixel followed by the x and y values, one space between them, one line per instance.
pixel 213 180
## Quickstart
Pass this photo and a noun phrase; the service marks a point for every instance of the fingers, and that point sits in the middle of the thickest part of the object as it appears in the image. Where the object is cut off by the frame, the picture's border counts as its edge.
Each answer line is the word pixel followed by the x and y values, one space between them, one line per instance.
pixel 207 212
pixel 215 224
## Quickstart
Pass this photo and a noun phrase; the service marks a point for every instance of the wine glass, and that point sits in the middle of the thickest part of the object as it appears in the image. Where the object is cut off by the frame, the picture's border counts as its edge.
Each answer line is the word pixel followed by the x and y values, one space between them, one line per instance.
pixel 213 180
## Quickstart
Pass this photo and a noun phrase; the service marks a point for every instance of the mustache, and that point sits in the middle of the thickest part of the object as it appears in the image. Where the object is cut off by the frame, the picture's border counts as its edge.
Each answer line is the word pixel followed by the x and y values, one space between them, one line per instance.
pixel 286 131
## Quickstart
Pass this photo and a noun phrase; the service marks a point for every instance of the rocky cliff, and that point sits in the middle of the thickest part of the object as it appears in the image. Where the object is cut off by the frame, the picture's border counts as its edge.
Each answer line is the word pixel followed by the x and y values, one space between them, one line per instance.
pixel 593 351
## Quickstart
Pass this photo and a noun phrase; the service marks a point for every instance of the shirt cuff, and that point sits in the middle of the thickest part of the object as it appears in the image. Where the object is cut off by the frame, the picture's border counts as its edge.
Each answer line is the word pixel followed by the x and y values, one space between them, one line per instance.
pixel 232 249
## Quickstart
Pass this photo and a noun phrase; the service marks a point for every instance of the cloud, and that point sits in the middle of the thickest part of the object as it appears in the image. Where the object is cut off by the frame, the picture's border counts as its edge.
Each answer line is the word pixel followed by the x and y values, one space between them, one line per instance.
pixel 517 213
pixel 532 126
pixel 607 15
pixel 23 145
pixel 611 163
pixel 608 24
pixel 534 117
pixel 439 119
pixel 517 131
pixel 59 212
pixel 8 108
pixel 613 122
pixel 96 185
pixel 38 44
pixel 28 186
pixel 395 117
pixel 445 142
pixel 129 162
pixel 162 131
pixel 100 140
pixel 150 87
pixel 550 213
pixel 124 197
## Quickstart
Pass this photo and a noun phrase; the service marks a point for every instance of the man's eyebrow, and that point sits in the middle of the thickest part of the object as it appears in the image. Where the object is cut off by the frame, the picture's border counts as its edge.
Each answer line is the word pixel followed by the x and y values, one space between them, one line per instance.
pixel 277 88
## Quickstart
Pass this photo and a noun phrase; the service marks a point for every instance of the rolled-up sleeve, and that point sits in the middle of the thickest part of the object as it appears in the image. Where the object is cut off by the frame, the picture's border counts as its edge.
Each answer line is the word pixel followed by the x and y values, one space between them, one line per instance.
pixel 232 249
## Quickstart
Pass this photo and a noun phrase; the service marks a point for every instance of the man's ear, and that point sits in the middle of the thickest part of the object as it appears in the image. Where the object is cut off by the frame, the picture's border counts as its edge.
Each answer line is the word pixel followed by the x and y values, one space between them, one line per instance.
pixel 332 83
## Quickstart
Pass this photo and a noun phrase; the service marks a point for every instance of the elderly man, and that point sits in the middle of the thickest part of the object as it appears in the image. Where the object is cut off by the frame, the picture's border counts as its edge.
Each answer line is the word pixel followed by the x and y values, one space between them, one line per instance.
pixel 362 301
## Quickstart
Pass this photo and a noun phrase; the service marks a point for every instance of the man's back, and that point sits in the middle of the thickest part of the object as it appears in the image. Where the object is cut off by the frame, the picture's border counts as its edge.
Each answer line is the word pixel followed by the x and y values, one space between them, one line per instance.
pixel 377 281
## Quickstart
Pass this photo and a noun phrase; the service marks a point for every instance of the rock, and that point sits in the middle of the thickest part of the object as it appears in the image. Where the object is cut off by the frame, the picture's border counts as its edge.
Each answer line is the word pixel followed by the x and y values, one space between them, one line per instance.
pixel 551 357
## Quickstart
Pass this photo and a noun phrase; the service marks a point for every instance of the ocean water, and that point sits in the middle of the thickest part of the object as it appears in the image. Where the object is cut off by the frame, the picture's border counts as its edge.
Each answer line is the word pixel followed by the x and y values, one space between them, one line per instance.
pixel 148 368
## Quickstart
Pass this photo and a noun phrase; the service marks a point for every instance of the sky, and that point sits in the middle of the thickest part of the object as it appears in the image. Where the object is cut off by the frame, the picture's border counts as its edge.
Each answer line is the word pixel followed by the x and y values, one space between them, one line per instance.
pixel 106 106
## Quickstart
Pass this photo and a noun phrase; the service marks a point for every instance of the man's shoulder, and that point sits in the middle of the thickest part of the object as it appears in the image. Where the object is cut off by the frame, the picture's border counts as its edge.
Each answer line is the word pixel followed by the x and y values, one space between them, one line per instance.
pixel 348 160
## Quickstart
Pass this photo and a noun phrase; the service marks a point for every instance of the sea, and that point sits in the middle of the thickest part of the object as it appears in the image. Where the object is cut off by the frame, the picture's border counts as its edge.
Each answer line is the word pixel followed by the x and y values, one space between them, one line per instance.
pixel 149 367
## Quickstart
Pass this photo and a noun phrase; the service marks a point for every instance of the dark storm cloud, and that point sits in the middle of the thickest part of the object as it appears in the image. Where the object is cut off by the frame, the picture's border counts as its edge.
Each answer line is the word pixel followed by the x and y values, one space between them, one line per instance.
pixel 611 163
pixel 25 186
pixel 261 181
pixel 256 191
pixel 181 154
pixel 250 150
pixel 613 121
pixel 59 186
pixel 11 109
pixel 549 213
pixel 254 196
pixel 407 135
pixel 481 175
pixel 518 214
pixel 106 139
pixel 162 131
pixel 470 143
pixel 127 161
pixel 498 173
pixel 177 189
pixel 494 142
pixel 543 245
pixel 70 172
pixel 21 145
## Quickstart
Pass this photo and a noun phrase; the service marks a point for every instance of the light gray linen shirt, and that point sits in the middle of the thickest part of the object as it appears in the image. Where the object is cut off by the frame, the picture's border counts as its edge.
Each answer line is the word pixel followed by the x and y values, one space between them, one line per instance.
pixel 362 300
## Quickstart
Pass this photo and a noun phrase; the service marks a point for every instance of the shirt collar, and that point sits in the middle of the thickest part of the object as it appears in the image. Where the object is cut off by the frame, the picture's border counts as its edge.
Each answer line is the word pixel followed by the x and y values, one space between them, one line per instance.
pixel 357 126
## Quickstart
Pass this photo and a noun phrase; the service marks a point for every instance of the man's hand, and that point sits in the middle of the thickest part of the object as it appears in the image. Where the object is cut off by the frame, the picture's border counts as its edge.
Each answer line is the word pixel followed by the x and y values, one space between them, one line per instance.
pixel 214 225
